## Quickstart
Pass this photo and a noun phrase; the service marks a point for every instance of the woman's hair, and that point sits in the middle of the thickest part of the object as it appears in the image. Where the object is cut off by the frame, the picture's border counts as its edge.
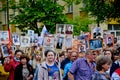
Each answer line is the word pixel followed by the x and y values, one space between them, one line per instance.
pixel 101 60
pixel 24 56
pixel 19 51
pixel 46 52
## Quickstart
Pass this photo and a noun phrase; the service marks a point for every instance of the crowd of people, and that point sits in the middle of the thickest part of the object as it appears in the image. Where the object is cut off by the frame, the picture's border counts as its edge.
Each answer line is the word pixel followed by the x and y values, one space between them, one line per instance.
pixel 66 65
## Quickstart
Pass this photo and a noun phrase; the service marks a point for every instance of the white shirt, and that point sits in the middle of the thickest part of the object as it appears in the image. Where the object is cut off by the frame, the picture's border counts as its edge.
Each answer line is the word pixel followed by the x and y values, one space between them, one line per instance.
pixel 115 76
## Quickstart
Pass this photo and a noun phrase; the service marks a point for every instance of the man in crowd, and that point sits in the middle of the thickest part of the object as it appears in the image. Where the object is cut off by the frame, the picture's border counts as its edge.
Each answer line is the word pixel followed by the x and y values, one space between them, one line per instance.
pixel 67 59
pixel 83 68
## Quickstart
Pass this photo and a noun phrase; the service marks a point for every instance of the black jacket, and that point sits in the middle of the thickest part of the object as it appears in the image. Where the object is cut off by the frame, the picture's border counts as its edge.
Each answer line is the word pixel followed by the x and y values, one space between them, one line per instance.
pixel 18 71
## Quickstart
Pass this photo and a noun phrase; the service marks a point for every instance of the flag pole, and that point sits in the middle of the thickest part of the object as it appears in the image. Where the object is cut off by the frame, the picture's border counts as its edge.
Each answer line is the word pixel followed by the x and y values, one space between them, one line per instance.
pixel 8 20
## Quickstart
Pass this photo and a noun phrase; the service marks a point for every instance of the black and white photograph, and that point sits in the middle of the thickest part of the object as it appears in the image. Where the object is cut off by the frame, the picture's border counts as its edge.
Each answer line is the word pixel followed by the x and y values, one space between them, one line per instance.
pixel 30 32
pixel 60 43
pixel 4 37
pixel 82 48
pixel 4 49
pixel 97 32
pixel 35 38
pixel 69 29
pixel 16 39
pixel 68 41
pixel 13 48
pixel 95 44
pixel 25 41
pixel 60 28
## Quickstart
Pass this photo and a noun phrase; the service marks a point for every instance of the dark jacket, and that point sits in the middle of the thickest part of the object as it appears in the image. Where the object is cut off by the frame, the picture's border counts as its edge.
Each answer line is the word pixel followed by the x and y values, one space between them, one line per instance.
pixel 64 62
pixel 18 71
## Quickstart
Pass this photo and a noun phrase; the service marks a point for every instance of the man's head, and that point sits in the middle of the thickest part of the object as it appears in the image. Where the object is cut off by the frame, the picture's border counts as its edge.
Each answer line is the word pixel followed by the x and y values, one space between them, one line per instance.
pixel 68 51
pixel 90 55
pixel 73 56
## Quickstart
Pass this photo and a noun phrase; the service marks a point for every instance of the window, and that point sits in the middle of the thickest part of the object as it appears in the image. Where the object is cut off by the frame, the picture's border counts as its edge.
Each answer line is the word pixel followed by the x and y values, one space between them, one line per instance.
pixel 114 29
pixel 70 9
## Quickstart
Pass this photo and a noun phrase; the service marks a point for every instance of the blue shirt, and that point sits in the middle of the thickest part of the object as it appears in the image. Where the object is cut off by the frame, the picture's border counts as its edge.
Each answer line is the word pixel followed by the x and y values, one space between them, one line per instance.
pixel 67 68
pixel 81 69
pixel 53 71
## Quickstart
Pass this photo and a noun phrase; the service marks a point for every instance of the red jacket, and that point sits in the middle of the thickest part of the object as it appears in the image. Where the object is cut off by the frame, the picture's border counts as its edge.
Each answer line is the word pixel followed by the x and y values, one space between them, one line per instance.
pixel 11 68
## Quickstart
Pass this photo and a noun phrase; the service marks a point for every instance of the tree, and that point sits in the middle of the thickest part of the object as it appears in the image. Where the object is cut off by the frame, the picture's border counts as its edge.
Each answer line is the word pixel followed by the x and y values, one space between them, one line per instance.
pixel 101 10
pixel 80 24
pixel 30 12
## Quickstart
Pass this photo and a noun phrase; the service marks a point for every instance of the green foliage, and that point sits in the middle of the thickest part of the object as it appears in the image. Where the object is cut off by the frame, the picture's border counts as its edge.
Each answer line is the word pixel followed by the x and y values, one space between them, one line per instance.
pixel 102 10
pixel 80 24
pixel 32 11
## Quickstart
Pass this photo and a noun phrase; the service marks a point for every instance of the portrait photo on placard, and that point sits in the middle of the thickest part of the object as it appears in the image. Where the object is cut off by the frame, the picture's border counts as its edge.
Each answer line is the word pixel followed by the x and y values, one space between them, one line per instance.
pixel 5 51
pixel 13 48
pixel 4 37
pixel 68 29
pixel 97 32
pixel 87 35
pixel 118 39
pixel 30 32
pixel 109 40
pixel 25 41
pixel 82 48
pixel 95 44
pixel 75 44
pixel 68 41
pixel 16 39
pixel 60 42
pixel 48 41
pixel 35 38
pixel 60 28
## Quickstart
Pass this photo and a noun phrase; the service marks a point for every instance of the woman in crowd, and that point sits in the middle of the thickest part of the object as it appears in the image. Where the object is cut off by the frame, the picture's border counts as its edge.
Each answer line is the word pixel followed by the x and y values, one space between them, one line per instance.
pixel 102 65
pixel 109 53
pixel 10 64
pixel 36 64
pixel 49 70
pixel 37 59
pixel 24 70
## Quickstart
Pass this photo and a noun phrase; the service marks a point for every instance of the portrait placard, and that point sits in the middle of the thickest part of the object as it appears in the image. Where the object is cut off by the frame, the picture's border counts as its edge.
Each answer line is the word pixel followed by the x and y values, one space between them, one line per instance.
pixel 35 38
pixel 48 41
pixel 68 41
pixel 97 32
pixel 60 28
pixel 60 42
pixel 30 32
pixel 87 35
pixel 25 41
pixel 109 40
pixel 95 44
pixel 13 48
pixel 16 39
pixel 69 29
pixel 4 49
pixel 75 44
pixel 118 39
pixel 82 48
pixel 4 37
